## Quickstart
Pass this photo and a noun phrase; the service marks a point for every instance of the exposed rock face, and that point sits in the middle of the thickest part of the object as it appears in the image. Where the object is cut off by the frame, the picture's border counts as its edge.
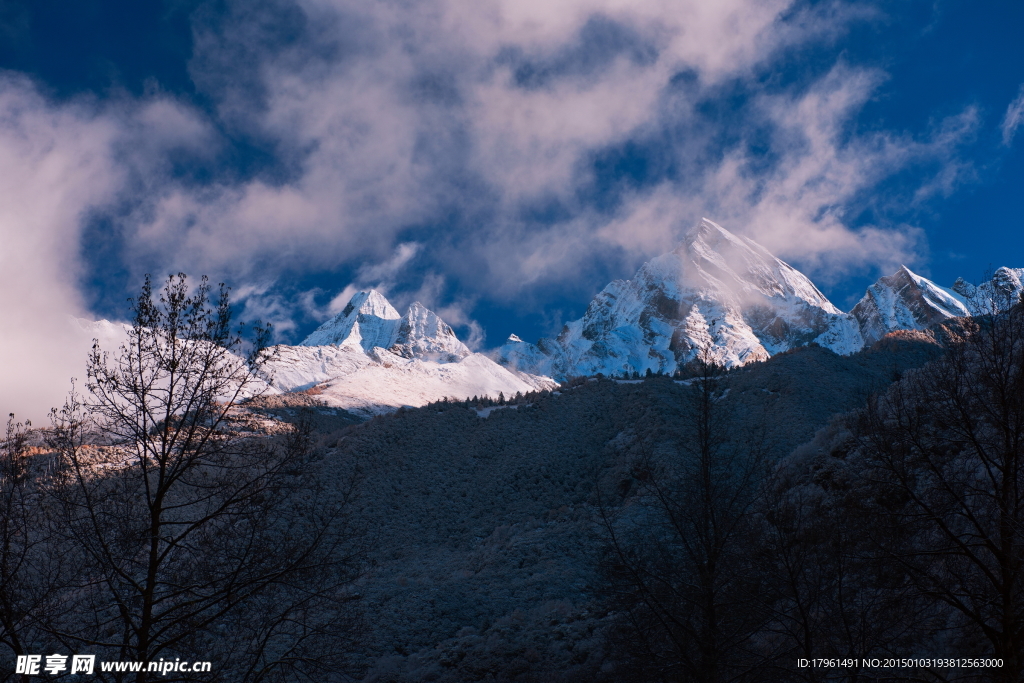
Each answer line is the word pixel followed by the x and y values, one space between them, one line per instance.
pixel 905 301
pixel 997 294
pixel 716 290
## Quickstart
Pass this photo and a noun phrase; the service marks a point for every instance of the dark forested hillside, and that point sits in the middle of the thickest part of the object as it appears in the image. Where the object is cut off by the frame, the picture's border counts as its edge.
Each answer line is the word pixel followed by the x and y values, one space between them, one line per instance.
pixel 467 540
pixel 485 521
pixel 712 526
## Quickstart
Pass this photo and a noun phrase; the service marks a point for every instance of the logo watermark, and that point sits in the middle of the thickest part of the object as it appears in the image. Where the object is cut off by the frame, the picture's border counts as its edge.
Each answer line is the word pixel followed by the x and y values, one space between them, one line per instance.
pixel 37 665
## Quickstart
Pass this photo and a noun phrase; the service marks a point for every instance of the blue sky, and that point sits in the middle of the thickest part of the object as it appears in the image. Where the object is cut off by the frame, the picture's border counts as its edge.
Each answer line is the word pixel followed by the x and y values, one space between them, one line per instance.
pixel 500 161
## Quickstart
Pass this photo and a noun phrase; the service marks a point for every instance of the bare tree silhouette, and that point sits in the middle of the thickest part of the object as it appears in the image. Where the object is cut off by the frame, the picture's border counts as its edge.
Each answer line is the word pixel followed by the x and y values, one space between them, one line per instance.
pixel 198 539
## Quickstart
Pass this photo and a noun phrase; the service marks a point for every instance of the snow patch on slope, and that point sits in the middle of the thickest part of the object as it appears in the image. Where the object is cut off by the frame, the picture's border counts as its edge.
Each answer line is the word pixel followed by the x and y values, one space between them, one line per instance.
pixel 382 381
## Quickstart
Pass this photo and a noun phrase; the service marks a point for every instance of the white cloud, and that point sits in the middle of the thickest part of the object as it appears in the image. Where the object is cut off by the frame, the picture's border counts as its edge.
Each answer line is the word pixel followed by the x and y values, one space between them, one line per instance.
pixel 55 164
pixel 389 119
pixel 59 164
pixel 1014 117
pixel 393 113
pixel 259 302
pixel 796 208
pixel 794 203
pixel 380 276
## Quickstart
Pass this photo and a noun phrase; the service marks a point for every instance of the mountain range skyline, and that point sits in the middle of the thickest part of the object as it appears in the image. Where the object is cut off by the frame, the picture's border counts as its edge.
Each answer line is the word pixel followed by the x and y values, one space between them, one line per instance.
pixel 347 340
pixel 715 294
pixel 715 291
pixel 874 310
pixel 498 161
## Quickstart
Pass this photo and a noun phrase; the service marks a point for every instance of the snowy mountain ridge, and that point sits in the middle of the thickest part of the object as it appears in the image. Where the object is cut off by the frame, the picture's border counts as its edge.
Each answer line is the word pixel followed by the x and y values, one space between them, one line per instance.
pixel 1001 291
pixel 370 359
pixel 716 291
pixel 729 294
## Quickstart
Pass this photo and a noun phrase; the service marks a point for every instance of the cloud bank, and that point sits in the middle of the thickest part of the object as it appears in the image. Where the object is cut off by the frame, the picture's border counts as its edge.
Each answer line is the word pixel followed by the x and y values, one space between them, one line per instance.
pixel 55 164
pixel 61 165
pixel 482 121
pixel 454 150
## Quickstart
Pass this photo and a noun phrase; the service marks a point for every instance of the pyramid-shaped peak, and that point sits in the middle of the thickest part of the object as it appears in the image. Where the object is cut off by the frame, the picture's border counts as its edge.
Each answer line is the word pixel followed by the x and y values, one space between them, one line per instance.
pixel 708 226
pixel 709 232
pixel 424 335
pixel 420 316
pixel 905 301
pixel 425 321
pixel 728 267
pixel 418 309
pixel 368 320
pixel 905 277
pixel 709 240
pixel 370 302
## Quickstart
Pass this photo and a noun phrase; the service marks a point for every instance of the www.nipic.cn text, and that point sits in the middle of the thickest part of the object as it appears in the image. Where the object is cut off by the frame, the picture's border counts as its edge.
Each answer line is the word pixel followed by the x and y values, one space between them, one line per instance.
pixel 36 665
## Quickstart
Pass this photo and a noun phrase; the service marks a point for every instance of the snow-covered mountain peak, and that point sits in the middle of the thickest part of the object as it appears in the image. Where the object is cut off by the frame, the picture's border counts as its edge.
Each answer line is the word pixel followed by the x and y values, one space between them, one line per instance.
pixel 367 321
pixel 733 266
pixel 372 303
pixel 711 235
pixel 424 335
pixel 1002 291
pixel 370 359
pixel 905 301
pixel 716 289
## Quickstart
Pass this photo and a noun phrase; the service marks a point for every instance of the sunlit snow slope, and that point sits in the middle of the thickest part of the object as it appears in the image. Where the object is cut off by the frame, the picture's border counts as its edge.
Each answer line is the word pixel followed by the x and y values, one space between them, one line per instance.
pixel 369 359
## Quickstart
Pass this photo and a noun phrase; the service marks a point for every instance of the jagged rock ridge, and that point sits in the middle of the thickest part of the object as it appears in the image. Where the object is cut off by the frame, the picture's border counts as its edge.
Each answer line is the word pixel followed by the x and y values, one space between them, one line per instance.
pixel 905 301
pixel 1003 290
